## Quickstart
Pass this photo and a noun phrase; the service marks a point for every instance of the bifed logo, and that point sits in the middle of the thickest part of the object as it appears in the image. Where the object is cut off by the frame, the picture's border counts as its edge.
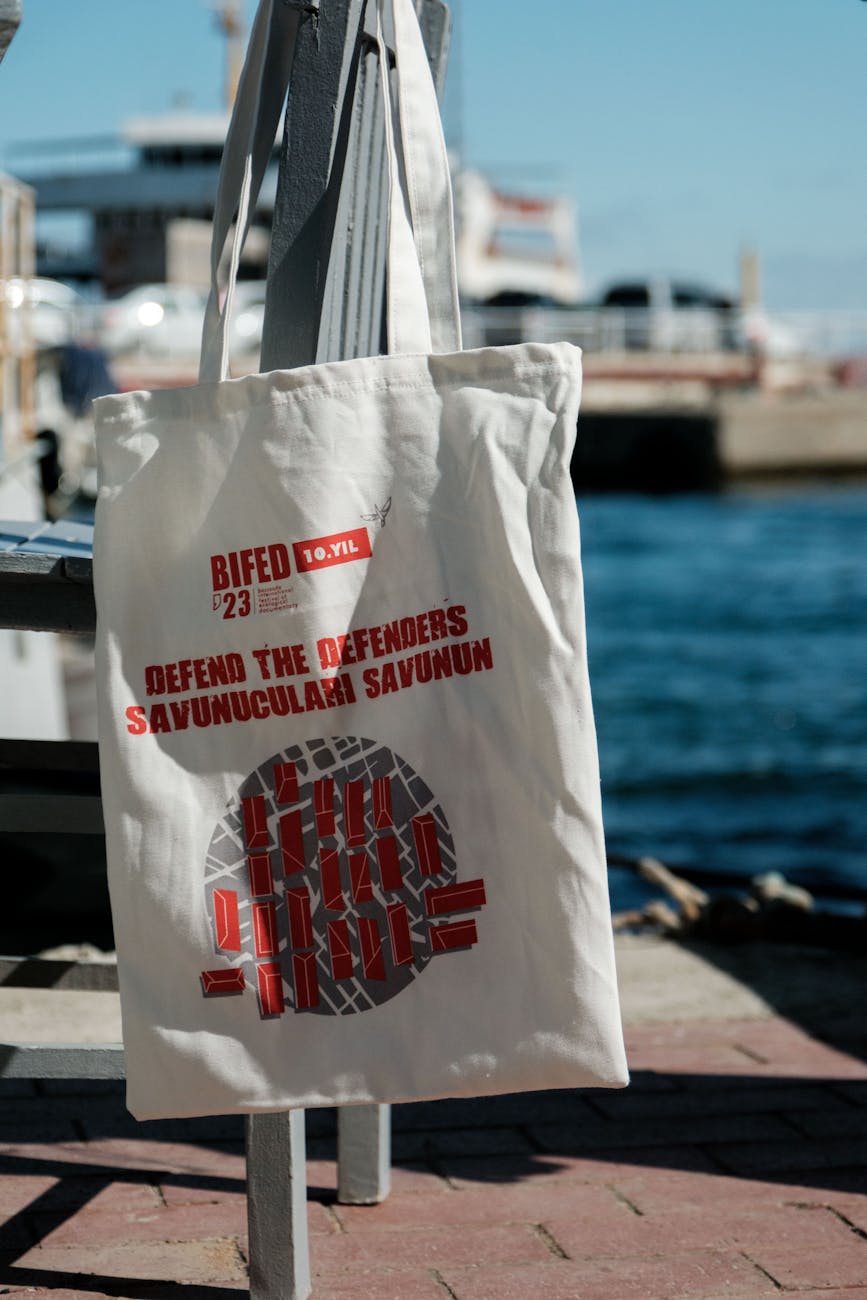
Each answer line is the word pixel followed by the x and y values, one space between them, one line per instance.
pixel 331 882
pixel 251 580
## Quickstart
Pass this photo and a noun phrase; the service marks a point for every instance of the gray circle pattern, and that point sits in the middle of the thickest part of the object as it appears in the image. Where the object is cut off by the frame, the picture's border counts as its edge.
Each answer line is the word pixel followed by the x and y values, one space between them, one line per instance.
pixel 344 758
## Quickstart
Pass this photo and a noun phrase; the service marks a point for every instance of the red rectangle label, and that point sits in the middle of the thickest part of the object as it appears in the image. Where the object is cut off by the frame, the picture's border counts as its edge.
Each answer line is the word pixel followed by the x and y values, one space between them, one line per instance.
pixel 389 863
pixel 338 947
pixel 455 898
pixel 292 843
pixel 427 848
pixel 226 924
pixel 228 980
pixel 382 815
pixel 259 868
pixel 353 812
pixel 329 870
pixel 359 878
pixel 300 920
pixel 371 949
pixel 285 783
pixel 255 822
pixel 271 997
pixel 336 548
pixel 265 929
pixel 306 981
pixel 453 935
pixel 323 803
pixel 398 931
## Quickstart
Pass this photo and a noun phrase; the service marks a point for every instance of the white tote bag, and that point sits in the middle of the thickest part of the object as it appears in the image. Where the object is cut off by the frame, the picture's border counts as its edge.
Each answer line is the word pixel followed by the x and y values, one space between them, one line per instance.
pixel 348 758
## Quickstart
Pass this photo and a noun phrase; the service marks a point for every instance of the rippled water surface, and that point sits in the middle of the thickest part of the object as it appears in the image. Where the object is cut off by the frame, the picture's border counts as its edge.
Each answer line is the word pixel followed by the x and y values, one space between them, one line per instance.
pixel 728 661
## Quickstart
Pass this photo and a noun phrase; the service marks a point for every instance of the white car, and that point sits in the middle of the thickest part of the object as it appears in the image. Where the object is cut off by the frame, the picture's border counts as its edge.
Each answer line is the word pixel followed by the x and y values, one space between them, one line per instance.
pixel 166 320
pixel 248 315
pixel 58 314
pixel 159 319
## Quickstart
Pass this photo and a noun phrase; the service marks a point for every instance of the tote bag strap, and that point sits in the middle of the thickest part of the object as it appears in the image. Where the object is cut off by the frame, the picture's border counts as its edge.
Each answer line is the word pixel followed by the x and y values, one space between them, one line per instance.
pixel 427 178
pixel 407 319
pixel 249 144
pixel 420 254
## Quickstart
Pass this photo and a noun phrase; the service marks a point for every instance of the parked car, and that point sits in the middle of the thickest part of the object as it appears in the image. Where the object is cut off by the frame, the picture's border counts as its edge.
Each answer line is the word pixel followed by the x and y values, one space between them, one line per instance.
pixel 166 319
pixel 161 319
pixel 669 316
pixel 58 312
pixel 248 315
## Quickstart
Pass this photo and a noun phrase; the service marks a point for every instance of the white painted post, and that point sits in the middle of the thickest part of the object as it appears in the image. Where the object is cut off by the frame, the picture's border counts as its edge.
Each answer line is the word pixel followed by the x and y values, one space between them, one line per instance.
pixel 277 1206
pixel 363 1154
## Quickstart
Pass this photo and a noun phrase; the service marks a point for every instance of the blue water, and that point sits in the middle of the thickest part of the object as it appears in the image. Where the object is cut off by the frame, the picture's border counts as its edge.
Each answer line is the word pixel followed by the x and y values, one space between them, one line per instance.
pixel 728 662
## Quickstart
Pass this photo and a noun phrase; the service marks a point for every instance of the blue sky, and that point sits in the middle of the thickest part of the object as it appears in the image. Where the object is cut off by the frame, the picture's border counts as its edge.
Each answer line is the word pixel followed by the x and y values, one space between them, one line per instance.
pixel 684 130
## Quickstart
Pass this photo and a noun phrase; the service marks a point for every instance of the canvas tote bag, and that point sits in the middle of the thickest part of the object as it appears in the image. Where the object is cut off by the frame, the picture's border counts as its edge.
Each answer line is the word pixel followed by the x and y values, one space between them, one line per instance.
pixel 349 766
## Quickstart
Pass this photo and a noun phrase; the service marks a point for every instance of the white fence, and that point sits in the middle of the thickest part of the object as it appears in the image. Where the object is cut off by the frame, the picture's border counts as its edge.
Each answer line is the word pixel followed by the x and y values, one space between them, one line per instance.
pixel 826 334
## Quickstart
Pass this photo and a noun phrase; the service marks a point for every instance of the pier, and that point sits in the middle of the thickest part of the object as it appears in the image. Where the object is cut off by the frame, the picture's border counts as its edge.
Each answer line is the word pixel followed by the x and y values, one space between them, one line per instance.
pixel 780 396
pixel 675 420
pixel 665 436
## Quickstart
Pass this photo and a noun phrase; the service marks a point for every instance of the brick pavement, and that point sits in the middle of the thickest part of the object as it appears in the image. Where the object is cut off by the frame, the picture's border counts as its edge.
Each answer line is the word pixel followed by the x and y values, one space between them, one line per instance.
pixel 734 1166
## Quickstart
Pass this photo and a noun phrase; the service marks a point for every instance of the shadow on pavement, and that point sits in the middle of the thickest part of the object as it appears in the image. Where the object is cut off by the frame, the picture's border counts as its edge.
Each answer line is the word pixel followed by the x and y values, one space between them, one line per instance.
pixel 785 1129
pixel 821 989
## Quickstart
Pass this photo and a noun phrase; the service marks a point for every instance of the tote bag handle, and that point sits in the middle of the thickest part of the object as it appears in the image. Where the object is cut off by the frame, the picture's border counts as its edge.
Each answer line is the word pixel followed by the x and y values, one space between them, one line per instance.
pixel 420 260
pixel 427 179
pixel 249 143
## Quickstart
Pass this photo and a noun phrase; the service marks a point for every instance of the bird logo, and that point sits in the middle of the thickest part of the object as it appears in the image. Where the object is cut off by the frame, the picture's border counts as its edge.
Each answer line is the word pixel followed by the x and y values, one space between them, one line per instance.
pixel 380 514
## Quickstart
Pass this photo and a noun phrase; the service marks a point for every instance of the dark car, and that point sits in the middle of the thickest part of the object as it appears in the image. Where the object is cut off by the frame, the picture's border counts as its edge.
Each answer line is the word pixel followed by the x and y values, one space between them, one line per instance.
pixel 669 316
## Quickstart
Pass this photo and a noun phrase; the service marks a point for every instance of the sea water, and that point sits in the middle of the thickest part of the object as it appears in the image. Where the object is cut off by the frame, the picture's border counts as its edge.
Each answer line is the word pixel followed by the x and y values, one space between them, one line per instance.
pixel 727 643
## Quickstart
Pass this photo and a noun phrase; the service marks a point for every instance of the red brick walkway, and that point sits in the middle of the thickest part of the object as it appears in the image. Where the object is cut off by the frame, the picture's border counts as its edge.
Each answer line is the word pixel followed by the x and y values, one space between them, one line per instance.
pixel 735 1166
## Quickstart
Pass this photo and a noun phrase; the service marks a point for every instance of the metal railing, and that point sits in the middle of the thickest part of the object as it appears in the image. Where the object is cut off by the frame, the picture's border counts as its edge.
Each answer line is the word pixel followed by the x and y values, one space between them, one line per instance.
pixel 823 334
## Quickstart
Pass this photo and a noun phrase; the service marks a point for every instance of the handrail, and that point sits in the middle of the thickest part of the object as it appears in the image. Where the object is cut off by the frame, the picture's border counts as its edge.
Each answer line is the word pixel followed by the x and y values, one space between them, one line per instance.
pixel 816 333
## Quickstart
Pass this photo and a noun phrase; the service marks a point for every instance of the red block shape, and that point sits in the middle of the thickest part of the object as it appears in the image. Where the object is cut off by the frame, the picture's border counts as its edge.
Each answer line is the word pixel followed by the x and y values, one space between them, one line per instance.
pixel 292 843
pixel 265 929
pixel 452 935
pixel 336 548
pixel 389 863
pixel 300 920
pixel 382 814
pixel 226 924
pixel 359 878
pixel 353 812
pixel 329 870
pixel 285 783
pixel 371 949
pixel 427 846
pixel 398 931
pixel 306 981
pixel 271 998
pixel 455 898
pixel 323 802
pixel 228 980
pixel 259 868
pixel 255 822
pixel 338 947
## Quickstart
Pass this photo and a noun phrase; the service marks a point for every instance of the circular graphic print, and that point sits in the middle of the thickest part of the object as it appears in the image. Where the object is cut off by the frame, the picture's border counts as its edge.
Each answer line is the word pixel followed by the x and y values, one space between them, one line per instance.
pixel 331 881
